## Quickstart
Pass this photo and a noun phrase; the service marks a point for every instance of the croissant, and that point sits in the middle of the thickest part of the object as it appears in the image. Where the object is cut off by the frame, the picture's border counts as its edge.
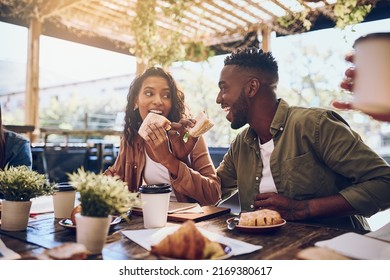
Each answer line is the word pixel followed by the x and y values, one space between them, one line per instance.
pixel 263 217
pixel 188 243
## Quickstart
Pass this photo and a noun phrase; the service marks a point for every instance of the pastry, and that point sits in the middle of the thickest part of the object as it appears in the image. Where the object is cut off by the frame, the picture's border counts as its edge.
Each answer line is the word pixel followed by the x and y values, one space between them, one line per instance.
pixel 202 125
pixel 153 118
pixel 66 251
pixel 188 243
pixel 263 217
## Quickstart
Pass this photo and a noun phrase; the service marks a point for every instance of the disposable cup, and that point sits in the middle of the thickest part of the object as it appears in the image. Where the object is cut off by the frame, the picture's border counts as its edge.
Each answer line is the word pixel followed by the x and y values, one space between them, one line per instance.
pixel 372 80
pixel 155 204
pixel 63 200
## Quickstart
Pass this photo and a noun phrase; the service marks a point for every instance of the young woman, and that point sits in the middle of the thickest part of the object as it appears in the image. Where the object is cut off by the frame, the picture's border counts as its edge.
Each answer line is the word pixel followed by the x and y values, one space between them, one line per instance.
pixel 164 157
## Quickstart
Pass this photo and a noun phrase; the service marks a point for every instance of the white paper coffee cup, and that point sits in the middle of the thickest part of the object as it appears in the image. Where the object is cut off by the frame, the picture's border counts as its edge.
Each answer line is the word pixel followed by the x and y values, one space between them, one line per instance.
pixel 372 81
pixel 155 204
pixel 63 200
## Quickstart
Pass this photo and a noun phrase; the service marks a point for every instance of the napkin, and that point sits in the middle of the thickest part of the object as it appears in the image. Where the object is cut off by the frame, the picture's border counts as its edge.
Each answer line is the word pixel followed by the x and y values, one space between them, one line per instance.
pixel 6 253
pixel 148 237
pixel 383 233
pixel 358 246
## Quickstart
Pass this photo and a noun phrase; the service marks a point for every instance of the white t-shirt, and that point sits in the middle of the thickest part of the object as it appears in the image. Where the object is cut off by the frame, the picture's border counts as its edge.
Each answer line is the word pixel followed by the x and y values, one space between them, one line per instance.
pixel 156 173
pixel 267 183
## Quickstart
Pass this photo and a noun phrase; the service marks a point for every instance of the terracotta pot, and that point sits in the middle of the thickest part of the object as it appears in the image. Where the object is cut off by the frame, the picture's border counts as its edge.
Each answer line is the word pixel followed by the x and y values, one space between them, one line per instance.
pixel 15 215
pixel 92 232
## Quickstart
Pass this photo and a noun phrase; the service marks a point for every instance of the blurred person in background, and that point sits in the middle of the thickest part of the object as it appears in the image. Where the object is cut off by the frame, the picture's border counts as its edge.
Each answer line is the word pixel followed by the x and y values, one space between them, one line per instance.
pixel 15 149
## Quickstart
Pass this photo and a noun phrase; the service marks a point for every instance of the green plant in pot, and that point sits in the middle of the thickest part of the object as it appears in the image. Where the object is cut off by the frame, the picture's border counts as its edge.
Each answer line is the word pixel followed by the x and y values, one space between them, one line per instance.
pixel 101 196
pixel 18 185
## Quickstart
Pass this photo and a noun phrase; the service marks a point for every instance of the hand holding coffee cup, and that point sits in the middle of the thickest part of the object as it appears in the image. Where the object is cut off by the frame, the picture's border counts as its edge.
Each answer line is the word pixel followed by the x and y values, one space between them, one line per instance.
pixel 369 79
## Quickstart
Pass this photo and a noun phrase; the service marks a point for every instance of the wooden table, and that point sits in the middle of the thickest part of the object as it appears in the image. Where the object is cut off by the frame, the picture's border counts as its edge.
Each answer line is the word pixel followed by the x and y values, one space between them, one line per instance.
pixel 282 244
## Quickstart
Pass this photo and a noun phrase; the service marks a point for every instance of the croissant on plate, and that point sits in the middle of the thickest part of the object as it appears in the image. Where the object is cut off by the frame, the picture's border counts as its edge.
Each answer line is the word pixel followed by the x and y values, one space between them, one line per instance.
pixel 188 243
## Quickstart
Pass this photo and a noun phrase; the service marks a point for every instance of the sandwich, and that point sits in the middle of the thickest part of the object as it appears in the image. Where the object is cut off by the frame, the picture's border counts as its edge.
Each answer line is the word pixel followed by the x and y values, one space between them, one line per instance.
pixel 202 125
pixel 153 118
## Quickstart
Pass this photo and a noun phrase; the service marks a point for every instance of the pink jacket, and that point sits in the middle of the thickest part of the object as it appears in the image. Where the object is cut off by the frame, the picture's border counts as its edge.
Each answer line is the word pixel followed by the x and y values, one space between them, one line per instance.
pixel 198 182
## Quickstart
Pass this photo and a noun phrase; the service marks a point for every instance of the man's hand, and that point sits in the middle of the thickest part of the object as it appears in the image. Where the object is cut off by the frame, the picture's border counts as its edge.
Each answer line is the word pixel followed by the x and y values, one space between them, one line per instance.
pixel 289 209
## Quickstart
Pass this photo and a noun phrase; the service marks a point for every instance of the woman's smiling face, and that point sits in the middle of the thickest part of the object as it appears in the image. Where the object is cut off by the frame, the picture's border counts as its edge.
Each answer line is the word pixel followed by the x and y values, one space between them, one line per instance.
pixel 154 96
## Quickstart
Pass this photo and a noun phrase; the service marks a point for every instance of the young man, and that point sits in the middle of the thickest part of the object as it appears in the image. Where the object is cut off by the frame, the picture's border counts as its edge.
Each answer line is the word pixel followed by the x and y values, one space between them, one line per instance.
pixel 305 163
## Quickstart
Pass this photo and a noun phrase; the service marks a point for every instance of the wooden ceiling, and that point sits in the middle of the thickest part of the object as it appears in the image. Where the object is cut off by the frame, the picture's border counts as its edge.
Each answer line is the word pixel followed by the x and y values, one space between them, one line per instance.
pixel 108 23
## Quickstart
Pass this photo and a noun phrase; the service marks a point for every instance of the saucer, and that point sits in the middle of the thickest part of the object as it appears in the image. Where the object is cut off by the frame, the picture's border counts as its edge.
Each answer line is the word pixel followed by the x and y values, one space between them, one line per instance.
pixel 67 223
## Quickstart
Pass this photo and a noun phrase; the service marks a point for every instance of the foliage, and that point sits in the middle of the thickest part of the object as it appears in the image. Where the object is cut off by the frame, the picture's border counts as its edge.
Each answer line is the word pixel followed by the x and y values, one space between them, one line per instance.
pixel 296 20
pixel 349 12
pixel 197 52
pixel 102 195
pixel 20 183
pixel 155 45
pixel 344 13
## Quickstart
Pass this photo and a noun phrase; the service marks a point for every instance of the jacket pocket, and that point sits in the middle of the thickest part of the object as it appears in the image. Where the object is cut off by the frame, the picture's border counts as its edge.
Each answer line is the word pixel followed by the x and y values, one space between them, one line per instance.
pixel 303 177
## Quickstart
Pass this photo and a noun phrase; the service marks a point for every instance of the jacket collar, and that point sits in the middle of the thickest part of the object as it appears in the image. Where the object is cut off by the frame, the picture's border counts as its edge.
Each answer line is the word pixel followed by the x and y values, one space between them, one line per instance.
pixel 277 125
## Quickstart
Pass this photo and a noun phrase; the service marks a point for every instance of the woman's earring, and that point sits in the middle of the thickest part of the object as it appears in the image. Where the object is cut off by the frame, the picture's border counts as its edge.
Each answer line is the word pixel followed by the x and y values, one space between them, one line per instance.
pixel 135 108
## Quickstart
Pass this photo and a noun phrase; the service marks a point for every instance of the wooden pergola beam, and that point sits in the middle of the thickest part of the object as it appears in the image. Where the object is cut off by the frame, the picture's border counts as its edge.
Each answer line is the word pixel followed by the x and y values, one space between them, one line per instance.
pixel 32 78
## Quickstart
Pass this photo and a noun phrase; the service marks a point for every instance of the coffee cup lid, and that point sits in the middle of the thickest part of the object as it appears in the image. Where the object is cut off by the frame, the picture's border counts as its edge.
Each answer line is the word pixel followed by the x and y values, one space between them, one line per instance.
pixel 155 188
pixel 64 187
pixel 377 35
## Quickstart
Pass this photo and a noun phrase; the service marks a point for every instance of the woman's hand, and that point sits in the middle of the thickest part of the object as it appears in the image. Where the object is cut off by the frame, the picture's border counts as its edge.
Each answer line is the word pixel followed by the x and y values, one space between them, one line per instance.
pixel 157 143
pixel 180 148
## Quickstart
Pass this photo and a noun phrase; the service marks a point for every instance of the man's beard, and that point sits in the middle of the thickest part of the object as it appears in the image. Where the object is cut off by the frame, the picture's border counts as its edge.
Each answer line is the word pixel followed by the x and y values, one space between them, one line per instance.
pixel 239 110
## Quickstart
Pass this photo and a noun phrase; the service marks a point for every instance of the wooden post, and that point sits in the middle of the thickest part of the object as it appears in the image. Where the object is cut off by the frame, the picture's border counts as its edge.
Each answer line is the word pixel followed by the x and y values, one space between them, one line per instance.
pixel 32 79
pixel 141 67
pixel 266 38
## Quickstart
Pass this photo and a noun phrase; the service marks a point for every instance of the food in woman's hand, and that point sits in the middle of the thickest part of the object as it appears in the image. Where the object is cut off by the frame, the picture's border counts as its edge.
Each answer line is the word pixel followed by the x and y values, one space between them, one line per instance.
pixel 188 243
pixel 202 125
pixel 153 118
pixel 263 217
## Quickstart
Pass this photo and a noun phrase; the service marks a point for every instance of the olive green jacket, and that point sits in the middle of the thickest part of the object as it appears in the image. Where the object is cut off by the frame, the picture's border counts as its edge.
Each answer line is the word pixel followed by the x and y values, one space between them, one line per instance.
pixel 316 155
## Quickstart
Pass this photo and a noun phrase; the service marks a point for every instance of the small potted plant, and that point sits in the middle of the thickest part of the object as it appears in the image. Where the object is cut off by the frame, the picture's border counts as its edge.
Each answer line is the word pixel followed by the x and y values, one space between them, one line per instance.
pixel 100 197
pixel 18 185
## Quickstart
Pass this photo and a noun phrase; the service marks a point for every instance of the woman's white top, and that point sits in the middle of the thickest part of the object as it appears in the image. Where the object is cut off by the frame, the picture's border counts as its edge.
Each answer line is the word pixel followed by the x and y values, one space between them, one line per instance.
pixel 156 173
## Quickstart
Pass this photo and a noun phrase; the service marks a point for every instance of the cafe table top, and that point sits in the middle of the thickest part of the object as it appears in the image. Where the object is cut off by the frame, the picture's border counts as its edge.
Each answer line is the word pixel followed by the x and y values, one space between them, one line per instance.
pixel 44 231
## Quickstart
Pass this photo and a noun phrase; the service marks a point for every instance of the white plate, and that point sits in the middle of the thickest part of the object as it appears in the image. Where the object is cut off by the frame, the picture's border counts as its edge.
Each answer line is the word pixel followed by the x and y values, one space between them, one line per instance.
pixel 258 229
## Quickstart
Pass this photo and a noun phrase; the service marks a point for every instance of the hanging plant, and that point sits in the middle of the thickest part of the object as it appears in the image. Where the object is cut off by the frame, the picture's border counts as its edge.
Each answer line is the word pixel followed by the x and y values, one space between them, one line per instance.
pixel 295 21
pixel 155 45
pixel 343 13
pixel 197 51
pixel 350 12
